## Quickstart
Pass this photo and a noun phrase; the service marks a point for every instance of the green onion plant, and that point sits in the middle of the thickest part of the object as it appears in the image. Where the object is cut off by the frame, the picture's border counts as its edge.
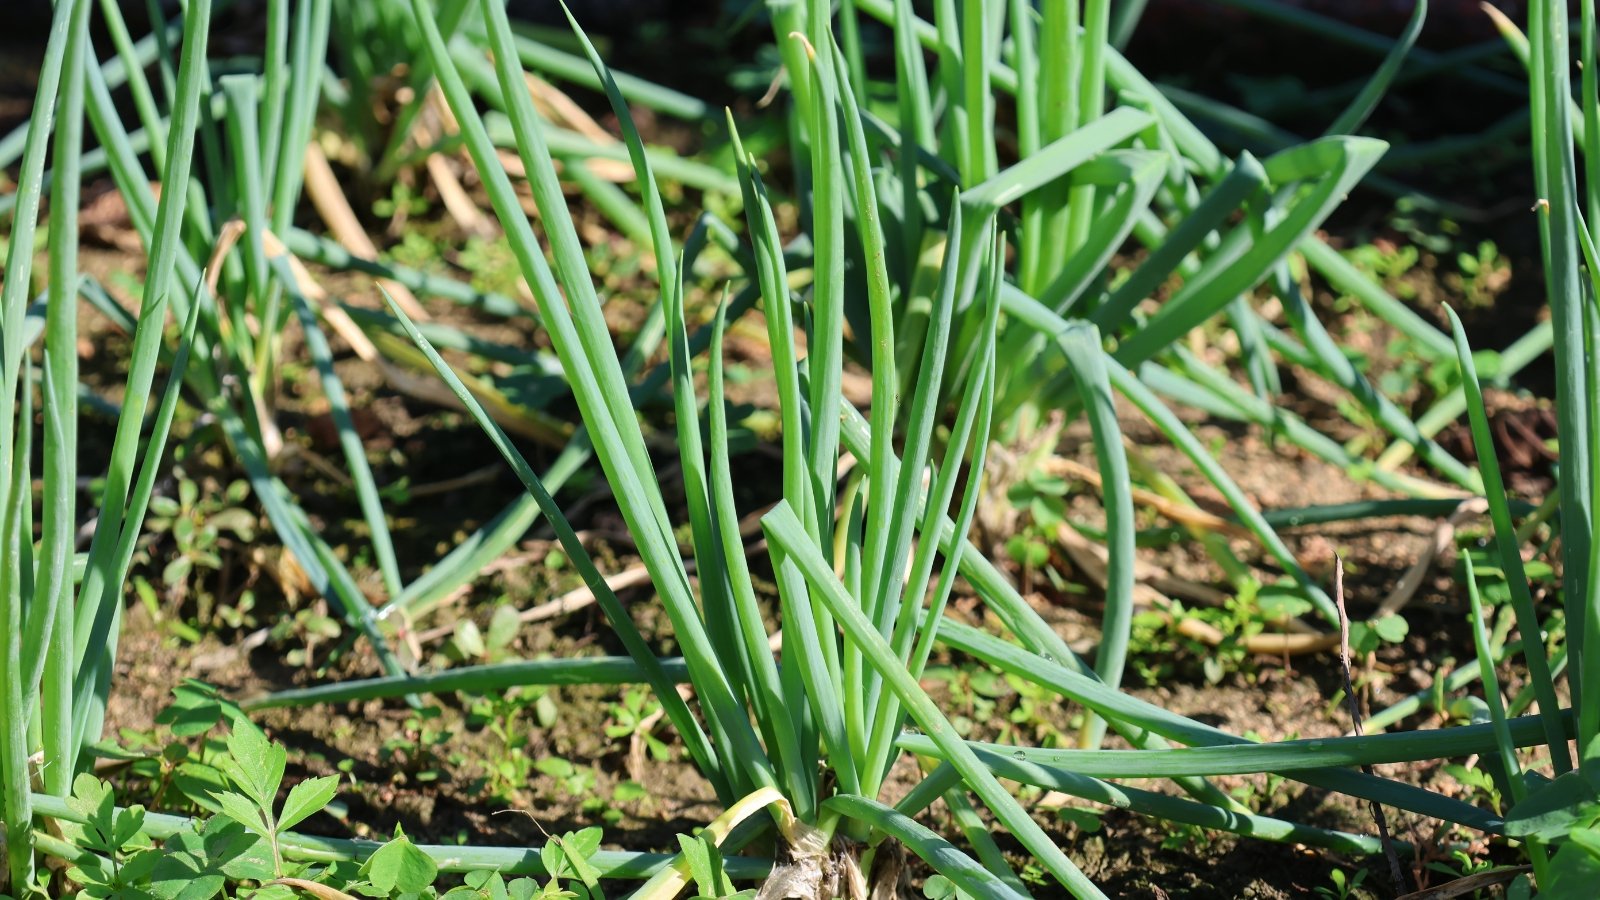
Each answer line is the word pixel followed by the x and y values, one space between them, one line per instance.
pixel 60 614
pixel 813 730
pixel 974 284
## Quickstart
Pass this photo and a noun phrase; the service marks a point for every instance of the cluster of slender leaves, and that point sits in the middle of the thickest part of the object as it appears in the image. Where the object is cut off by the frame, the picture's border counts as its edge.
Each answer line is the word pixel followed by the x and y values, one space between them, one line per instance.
pixel 60 610
pixel 237 149
pixel 1557 817
pixel 906 265
pixel 240 141
pixel 854 567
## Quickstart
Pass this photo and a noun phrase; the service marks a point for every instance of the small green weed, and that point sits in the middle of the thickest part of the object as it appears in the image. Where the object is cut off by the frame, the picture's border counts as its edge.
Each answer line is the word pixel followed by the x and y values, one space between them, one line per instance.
pixel 309 628
pixel 419 748
pixel 1483 273
pixel 1043 498
pixel 1343 887
pixel 507 766
pixel 203 524
pixel 711 881
pixel 583 783
pixel 469 643
pixel 492 264
pixel 635 718
pixel 974 695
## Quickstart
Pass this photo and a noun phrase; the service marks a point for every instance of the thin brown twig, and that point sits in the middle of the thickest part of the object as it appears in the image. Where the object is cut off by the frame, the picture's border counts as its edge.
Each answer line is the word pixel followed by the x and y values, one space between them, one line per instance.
pixel 1154 585
pixel 584 596
pixel 1444 535
pixel 423 388
pixel 227 239
pixel 312 290
pixel 1396 875
pixel 1190 516
pixel 457 202
pixel 456 199
pixel 1471 884
pixel 578 598
pixel 567 112
pixel 476 477
pixel 327 196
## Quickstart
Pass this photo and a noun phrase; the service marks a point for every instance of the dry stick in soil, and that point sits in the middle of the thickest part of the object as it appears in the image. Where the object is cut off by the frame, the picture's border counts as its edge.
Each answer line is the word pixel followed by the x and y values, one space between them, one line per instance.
pixel 328 197
pixel 417 386
pixel 1443 537
pixel 456 200
pixel 1183 515
pixel 509 563
pixel 1395 874
pixel 1471 884
pixel 1154 585
pixel 583 596
pixel 232 230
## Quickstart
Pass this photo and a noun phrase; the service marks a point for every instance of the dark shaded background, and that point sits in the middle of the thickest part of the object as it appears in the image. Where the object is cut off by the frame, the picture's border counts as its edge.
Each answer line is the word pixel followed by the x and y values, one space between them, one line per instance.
pixel 691 44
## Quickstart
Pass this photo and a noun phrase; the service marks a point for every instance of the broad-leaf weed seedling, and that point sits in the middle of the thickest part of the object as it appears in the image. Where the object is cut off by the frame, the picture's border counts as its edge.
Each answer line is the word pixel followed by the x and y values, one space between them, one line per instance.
pixel 203 526
pixel 124 854
pixel 417 748
pixel 636 718
pixel 1343 886
pixel 469 643
pixel 504 715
